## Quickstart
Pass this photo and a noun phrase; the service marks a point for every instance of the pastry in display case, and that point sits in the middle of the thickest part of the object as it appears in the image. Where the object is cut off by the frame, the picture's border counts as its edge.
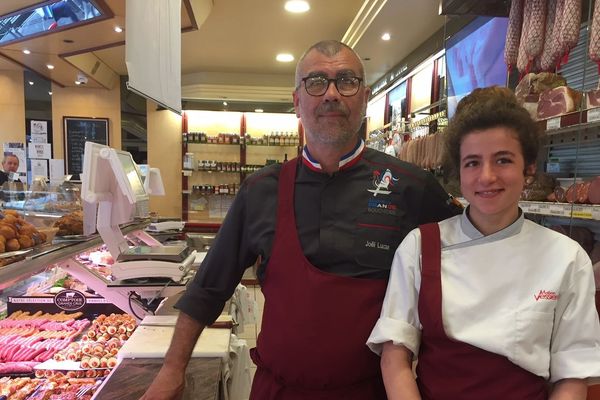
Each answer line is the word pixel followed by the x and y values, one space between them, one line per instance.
pixel 42 198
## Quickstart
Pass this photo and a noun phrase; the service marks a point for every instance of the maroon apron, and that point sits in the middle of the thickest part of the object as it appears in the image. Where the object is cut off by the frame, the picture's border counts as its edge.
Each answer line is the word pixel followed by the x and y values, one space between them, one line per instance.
pixel 315 324
pixel 453 370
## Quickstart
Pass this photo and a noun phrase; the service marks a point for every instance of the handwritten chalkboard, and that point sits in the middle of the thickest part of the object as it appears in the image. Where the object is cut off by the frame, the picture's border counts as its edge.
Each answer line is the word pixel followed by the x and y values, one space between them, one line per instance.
pixel 77 132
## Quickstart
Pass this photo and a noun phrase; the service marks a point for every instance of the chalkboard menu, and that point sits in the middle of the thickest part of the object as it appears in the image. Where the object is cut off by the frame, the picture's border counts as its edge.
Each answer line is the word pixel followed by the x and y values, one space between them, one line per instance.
pixel 77 132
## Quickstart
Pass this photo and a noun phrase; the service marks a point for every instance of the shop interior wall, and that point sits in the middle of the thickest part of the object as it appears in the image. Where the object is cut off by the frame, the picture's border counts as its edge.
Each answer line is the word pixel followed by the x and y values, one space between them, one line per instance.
pixel 164 152
pixel 12 107
pixel 85 102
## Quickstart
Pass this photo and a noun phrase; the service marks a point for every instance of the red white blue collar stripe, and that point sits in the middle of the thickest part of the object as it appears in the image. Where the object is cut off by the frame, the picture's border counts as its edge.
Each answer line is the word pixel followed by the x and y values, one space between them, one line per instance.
pixel 346 161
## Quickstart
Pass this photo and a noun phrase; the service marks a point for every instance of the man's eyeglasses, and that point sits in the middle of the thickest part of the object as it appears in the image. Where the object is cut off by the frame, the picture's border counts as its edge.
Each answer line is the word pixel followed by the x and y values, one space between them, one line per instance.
pixel 346 85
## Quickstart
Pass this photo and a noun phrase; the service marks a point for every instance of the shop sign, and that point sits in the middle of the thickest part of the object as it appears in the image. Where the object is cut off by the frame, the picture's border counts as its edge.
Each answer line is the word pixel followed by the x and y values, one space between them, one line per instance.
pixel 69 300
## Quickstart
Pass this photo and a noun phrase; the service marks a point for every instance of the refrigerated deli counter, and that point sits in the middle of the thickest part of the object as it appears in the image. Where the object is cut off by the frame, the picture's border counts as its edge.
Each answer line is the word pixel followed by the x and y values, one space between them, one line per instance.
pixel 108 355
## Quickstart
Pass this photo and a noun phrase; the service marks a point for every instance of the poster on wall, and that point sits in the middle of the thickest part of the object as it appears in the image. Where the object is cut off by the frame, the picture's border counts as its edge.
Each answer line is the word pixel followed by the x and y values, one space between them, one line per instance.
pixel 77 131
pixel 17 149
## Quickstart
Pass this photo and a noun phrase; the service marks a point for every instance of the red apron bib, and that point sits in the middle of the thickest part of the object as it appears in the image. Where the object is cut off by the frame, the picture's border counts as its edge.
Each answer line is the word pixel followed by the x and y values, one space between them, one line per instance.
pixel 315 324
pixel 453 370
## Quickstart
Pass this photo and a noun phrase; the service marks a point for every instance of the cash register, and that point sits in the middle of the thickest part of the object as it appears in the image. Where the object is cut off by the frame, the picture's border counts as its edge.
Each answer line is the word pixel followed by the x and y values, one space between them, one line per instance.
pixel 115 193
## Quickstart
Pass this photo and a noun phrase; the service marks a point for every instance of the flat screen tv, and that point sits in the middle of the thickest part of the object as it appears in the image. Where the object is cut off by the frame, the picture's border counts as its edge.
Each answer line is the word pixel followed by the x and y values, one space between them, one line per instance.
pixel 474 58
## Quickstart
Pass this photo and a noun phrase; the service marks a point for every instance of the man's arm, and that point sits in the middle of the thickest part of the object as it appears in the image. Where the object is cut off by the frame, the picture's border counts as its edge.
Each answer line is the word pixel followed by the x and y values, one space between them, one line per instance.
pixel 170 381
pixel 569 389
pixel 398 377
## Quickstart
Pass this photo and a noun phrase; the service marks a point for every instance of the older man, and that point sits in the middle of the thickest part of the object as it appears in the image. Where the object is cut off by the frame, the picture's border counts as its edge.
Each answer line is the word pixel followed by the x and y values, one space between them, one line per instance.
pixel 10 163
pixel 324 226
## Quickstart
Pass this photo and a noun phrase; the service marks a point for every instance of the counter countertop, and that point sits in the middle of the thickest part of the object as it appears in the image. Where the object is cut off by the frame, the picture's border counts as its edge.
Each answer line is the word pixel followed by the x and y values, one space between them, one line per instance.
pixel 132 377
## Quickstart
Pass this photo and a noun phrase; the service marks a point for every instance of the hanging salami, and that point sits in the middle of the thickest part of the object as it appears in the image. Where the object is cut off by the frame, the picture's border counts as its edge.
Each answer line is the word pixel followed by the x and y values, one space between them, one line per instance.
pixel 547 63
pixel 594 49
pixel 570 25
pixel 534 43
pixel 556 40
pixel 522 58
pixel 513 33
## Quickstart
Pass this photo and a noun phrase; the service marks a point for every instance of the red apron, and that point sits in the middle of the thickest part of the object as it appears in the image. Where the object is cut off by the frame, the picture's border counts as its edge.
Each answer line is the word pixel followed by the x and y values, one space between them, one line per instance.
pixel 315 324
pixel 453 370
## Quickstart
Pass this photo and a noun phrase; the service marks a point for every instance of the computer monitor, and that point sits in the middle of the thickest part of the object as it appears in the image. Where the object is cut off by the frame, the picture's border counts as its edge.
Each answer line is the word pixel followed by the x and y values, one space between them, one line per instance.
pixel 110 183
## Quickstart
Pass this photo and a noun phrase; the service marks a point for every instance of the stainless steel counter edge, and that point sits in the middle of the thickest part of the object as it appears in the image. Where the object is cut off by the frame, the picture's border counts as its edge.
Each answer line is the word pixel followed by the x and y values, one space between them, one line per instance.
pixel 45 256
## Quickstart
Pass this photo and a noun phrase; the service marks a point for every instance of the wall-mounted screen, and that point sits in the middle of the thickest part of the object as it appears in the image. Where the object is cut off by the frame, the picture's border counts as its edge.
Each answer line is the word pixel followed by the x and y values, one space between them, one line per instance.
pixel 474 58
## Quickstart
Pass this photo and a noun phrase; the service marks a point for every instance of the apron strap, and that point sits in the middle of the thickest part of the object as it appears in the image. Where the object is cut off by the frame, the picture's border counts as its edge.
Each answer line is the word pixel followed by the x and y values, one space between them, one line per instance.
pixel 430 294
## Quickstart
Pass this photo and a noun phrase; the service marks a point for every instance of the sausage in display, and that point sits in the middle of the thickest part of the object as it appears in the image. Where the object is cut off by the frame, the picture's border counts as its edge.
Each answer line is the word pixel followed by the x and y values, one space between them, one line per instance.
pixel 513 33
pixel 594 49
pixel 534 43
pixel 547 63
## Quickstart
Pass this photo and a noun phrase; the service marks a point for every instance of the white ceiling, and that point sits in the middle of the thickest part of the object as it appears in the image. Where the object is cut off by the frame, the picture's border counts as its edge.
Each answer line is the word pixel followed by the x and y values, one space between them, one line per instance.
pixel 232 54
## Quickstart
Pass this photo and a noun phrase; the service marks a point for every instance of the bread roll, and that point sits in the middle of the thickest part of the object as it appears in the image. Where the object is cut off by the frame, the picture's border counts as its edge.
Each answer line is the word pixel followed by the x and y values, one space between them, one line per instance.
pixel 13 245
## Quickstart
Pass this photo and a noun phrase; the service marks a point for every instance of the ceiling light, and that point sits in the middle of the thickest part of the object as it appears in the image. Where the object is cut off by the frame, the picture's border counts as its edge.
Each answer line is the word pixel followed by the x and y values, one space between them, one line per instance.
pixel 386 36
pixel 284 57
pixel 297 6
pixel 224 103
pixel 50 93
pixel 118 29
pixel 31 83
pixel 26 51
pixel 258 110
pixel 49 66
pixel 77 83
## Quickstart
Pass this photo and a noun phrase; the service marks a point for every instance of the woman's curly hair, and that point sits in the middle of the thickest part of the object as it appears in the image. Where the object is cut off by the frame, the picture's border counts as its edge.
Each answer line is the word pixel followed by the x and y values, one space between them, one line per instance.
pixel 487 108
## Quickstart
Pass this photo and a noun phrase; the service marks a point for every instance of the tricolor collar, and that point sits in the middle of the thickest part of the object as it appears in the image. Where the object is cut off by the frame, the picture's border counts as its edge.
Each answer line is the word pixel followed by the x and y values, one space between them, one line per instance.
pixel 346 161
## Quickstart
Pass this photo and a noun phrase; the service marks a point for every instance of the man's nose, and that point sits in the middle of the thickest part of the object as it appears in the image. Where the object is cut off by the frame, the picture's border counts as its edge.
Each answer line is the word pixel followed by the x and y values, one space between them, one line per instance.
pixel 331 94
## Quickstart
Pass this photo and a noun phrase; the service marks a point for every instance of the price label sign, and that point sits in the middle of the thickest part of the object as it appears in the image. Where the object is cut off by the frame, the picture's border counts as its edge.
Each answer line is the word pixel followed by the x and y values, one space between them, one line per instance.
pixel 533 208
pixel 582 212
pixel 556 210
pixel 593 115
pixel 596 213
pixel 553 123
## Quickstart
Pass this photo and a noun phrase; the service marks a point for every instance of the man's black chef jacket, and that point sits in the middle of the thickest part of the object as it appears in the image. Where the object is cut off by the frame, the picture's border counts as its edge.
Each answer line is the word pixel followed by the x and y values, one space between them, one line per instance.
pixel 346 226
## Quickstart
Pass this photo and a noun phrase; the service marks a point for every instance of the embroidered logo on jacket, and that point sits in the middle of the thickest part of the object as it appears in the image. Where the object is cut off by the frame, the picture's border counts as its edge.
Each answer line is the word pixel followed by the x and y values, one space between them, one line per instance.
pixel 382 182
pixel 545 295
pixel 382 206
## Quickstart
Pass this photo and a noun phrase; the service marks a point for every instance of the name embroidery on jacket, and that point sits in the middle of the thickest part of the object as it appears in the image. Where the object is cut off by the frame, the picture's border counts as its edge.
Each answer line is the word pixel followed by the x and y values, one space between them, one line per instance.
pixel 545 295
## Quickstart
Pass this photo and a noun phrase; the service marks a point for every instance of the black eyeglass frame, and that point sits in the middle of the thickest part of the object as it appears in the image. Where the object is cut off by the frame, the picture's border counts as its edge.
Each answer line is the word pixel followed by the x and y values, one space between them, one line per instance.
pixel 335 83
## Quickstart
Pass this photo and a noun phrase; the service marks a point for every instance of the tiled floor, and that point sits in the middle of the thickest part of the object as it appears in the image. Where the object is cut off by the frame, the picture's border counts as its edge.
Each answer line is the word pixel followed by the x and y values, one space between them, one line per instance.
pixel 251 330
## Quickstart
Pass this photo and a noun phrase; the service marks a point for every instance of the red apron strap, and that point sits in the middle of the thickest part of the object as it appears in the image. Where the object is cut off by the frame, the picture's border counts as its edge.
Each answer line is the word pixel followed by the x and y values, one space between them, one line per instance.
pixel 285 190
pixel 430 294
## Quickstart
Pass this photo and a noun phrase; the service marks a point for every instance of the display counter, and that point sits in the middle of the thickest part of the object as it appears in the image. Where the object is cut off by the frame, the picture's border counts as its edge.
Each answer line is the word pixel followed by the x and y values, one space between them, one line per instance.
pixel 132 377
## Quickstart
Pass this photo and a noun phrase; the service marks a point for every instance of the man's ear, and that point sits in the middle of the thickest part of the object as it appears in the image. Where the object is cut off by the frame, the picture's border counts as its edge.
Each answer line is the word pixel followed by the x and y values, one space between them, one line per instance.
pixel 296 102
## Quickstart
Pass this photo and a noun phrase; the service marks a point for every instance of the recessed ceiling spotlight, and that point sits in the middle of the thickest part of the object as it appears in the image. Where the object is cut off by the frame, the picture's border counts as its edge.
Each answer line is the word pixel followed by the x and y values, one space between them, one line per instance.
pixel 284 57
pixel 118 29
pixel 224 103
pixel 49 66
pixel 259 110
pixel 77 83
pixel 31 82
pixel 50 93
pixel 386 36
pixel 297 6
pixel 26 51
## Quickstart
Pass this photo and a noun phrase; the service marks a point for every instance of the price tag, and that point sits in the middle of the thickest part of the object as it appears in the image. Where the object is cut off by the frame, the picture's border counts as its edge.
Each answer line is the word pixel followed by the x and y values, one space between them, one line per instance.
pixel 553 123
pixel 596 213
pixel 533 208
pixel 582 212
pixel 187 172
pixel 557 210
pixel 593 115
pixel 544 208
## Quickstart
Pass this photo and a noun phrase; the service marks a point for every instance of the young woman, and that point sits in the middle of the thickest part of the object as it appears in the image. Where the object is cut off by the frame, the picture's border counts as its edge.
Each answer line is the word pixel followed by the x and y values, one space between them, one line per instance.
pixel 492 305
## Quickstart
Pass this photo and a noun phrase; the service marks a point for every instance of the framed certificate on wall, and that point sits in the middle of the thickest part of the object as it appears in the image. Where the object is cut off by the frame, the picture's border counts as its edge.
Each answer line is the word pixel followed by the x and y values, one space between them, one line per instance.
pixel 77 131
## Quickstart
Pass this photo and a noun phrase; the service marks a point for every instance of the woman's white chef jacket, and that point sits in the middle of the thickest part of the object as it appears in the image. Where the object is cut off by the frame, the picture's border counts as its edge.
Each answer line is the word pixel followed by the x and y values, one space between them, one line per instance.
pixel 526 292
